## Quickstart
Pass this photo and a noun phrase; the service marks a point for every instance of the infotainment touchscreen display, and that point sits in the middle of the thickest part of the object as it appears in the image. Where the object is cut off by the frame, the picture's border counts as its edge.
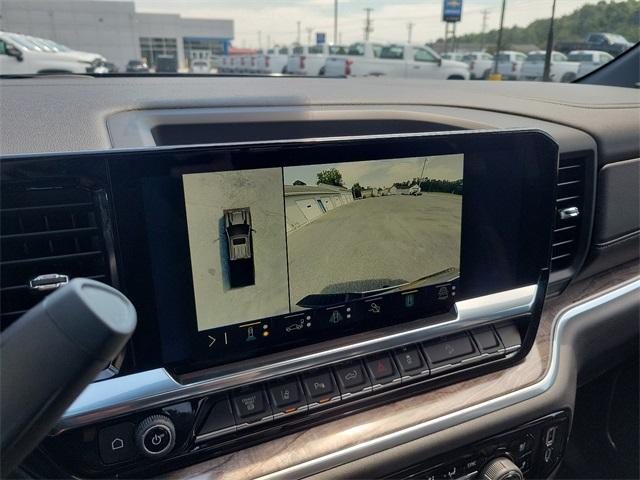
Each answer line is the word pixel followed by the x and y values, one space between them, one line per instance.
pixel 322 239
pixel 230 252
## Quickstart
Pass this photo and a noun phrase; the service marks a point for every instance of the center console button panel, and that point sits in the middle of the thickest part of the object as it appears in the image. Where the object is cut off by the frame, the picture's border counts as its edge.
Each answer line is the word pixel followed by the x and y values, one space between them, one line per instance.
pixel 130 444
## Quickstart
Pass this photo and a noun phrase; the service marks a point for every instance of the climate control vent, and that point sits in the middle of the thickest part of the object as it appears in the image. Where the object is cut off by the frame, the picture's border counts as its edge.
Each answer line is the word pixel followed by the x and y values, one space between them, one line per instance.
pixel 49 234
pixel 570 211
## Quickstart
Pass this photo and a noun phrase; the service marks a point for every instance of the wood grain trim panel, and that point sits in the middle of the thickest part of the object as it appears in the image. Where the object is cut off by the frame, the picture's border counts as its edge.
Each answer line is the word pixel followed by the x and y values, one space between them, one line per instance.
pixel 331 437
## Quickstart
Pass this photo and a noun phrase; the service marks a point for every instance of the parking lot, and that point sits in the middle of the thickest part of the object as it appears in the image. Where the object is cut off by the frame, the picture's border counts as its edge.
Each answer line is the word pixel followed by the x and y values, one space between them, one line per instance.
pixel 375 242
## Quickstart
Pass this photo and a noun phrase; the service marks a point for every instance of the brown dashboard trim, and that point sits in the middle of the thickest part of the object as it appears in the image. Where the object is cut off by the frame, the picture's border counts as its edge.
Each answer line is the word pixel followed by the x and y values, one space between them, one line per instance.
pixel 325 439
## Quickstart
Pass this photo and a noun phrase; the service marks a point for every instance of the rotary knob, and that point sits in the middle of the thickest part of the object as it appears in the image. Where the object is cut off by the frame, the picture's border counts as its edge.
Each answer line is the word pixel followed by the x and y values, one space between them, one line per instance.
pixel 501 468
pixel 155 436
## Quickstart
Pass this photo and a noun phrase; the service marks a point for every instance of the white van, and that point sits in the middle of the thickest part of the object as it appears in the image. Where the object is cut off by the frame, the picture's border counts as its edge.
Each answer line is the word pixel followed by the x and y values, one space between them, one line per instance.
pixel 21 55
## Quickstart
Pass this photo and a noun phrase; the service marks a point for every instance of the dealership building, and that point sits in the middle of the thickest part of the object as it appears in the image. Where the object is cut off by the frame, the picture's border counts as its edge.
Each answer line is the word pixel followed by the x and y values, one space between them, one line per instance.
pixel 115 30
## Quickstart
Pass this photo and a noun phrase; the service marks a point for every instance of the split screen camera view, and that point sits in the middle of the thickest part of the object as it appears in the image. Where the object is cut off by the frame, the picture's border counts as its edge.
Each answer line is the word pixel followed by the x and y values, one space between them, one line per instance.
pixel 297 237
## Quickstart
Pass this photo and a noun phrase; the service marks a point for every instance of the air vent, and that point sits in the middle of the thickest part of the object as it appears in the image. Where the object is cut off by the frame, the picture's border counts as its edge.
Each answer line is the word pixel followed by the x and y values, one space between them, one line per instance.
pixel 570 211
pixel 49 233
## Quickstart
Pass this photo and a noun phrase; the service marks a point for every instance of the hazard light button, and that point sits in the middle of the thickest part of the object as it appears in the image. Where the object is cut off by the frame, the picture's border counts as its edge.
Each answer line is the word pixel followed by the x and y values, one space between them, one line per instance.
pixel 382 370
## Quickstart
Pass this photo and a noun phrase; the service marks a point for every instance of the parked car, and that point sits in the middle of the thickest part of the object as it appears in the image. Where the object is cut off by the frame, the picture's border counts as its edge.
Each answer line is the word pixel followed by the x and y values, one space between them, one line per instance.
pixel 274 60
pixel 589 60
pixel 311 60
pixel 94 59
pixel 21 55
pixel 561 70
pixel 611 43
pixel 339 65
pixel 480 64
pixel 510 64
pixel 399 61
pixel 166 64
pixel 455 56
pixel 137 66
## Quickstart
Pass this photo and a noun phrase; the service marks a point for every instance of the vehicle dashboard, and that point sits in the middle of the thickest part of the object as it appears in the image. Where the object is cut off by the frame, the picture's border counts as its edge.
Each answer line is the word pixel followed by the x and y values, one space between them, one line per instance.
pixel 593 265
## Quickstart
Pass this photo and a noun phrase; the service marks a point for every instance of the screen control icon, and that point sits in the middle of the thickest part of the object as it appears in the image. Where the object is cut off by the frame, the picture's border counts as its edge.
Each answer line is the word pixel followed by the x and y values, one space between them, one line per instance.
pixel 117 444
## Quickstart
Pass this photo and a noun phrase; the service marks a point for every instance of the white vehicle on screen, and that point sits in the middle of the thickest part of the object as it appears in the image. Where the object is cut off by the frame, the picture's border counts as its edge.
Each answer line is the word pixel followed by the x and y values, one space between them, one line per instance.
pixel 589 60
pixel 561 69
pixel 510 64
pixel 311 60
pixel 20 55
pixel 480 64
pixel 274 60
pixel 397 61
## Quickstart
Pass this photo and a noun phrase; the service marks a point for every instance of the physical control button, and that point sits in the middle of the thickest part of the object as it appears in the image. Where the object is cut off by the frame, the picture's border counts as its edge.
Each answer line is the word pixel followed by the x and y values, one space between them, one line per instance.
pixel 381 369
pixel 352 378
pixel 410 361
pixel 449 349
pixel 501 468
pixel 250 405
pixel 116 443
pixel 220 418
pixel 155 436
pixel 320 387
pixel 486 339
pixel 287 396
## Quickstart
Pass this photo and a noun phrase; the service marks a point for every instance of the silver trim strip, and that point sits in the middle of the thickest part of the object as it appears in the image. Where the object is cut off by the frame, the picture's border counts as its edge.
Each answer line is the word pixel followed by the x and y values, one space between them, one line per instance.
pixel 123 395
pixel 415 432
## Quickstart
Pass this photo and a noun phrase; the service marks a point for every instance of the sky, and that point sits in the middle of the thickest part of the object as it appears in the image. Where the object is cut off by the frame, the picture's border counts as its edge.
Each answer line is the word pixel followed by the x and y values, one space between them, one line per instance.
pixel 262 23
pixel 382 173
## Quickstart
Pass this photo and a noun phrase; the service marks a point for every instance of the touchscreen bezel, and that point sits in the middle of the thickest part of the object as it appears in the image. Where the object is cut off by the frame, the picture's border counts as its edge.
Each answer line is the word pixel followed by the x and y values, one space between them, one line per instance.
pixel 505 245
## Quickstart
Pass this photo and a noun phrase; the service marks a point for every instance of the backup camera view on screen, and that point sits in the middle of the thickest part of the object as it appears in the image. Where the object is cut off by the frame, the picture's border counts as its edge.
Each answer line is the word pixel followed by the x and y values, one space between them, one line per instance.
pixel 273 241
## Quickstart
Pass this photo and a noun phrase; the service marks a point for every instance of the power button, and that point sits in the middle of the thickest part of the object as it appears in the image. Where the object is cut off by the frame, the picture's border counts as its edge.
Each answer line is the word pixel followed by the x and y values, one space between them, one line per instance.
pixel 156 436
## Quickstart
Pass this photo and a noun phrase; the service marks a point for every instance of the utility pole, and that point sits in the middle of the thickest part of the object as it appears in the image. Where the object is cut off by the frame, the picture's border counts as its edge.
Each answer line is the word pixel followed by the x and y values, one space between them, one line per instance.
pixel 335 21
pixel 409 31
pixel 485 18
pixel 260 39
pixel 499 45
pixel 298 36
pixel 309 32
pixel 340 38
pixel 368 24
pixel 546 76
pixel 268 42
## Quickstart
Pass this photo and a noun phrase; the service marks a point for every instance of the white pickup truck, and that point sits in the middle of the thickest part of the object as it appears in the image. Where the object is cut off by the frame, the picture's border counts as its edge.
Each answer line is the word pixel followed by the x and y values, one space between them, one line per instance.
pixel 395 61
pixel 480 64
pixel 589 60
pixel 311 60
pixel 561 70
pixel 274 60
pixel 21 55
pixel 510 64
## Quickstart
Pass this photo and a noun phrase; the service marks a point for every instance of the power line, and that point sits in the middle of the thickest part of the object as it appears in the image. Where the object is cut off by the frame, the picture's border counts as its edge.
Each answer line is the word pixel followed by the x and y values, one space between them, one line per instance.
pixel 368 24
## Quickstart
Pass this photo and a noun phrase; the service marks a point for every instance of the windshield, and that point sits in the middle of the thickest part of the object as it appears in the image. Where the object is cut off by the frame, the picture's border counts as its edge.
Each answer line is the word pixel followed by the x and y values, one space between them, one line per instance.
pixel 170 36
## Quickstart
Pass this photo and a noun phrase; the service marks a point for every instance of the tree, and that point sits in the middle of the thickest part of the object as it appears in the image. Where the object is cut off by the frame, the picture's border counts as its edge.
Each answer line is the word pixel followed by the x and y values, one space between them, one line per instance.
pixel 330 177
pixel 299 182
pixel 356 190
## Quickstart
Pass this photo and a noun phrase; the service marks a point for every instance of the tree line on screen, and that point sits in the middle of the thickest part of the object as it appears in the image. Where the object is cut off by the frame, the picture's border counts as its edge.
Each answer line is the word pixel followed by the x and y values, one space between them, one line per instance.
pixel 612 17
pixel 333 176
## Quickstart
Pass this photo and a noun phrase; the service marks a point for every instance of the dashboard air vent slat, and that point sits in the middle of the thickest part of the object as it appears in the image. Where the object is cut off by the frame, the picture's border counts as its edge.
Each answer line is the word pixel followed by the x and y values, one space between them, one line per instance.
pixel 569 211
pixel 48 230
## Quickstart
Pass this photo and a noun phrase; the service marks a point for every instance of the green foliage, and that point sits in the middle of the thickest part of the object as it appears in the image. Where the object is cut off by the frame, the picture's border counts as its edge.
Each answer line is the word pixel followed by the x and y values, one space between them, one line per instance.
pixel 330 177
pixel 622 18
pixel 446 186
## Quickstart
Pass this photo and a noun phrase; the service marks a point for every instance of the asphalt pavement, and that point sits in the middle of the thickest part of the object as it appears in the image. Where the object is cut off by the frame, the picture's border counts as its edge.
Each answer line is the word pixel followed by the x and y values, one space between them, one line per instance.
pixel 375 242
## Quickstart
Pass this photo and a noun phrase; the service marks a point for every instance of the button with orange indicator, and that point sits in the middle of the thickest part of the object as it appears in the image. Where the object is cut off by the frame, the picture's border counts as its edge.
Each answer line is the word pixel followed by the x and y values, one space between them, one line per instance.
pixel 286 396
pixel 320 387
